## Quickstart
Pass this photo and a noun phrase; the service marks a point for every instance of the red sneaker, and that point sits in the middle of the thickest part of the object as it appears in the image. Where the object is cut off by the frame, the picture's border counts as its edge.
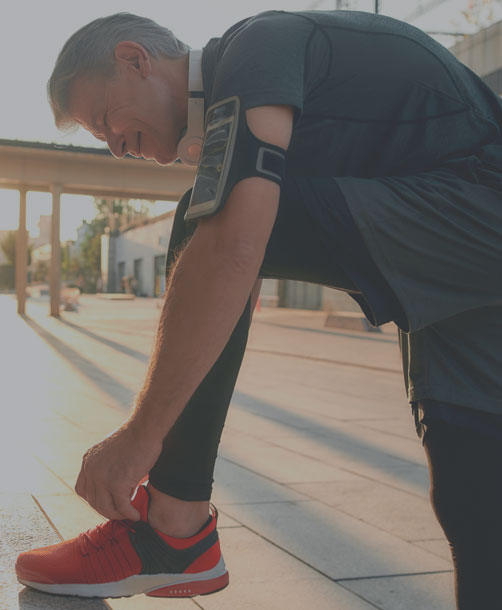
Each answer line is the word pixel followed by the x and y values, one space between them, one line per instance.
pixel 123 558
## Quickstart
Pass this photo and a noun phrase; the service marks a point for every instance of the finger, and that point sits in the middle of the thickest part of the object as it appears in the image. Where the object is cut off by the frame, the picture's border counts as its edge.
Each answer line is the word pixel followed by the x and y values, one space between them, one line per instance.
pixel 122 503
pixel 81 484
pixel 105 505
pixel 91 493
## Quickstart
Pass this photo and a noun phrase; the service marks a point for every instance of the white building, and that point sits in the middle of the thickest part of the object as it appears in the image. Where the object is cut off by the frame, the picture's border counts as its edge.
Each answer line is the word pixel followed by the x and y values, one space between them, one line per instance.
pixel 42 254
pixel 139 252
pixel 44 226
pixel 482 53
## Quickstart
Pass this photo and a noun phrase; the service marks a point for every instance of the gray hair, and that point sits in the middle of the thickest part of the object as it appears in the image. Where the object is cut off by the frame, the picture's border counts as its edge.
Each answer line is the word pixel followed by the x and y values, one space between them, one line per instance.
pixel 90 52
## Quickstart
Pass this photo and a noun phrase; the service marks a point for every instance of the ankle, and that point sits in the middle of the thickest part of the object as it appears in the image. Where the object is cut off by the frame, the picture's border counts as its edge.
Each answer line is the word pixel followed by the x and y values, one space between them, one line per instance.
pixel 175 517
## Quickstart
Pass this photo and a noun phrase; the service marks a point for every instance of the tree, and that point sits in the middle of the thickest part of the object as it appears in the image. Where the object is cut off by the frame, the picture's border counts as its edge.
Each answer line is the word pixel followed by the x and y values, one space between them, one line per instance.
pixel 90 255
pixel 41 272
pixel 89 262
pixel 70 265
pixel 8 245
pixel 482 13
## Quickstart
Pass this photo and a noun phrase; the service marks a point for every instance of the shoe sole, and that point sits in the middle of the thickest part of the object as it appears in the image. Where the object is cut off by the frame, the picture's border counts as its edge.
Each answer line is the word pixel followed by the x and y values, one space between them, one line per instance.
pixel 153 585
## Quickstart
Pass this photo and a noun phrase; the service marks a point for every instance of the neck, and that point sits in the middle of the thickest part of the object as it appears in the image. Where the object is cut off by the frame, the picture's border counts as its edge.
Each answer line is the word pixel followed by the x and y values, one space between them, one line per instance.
pixel 174 73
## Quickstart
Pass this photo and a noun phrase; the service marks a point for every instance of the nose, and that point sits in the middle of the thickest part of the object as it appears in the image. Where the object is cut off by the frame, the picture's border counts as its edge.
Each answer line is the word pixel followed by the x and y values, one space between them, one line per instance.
pixel 117 145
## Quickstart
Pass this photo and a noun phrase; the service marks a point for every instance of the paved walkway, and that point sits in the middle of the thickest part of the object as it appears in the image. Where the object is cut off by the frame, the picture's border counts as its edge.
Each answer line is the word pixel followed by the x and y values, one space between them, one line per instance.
pixel 321 481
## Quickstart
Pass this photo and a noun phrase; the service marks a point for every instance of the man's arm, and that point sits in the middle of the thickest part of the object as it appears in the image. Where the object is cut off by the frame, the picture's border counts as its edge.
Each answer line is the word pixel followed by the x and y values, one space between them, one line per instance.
pixel 205 297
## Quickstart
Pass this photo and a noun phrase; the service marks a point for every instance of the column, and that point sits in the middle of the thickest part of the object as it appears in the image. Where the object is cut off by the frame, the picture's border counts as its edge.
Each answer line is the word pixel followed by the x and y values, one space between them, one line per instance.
pixel 55 270
pixel 105 260
pixel 21 254
pixel 109 285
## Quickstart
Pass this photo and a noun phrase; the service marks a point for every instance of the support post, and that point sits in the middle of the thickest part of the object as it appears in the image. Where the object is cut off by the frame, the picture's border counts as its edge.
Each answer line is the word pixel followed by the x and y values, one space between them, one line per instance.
pixel 55 270
pixel 21 254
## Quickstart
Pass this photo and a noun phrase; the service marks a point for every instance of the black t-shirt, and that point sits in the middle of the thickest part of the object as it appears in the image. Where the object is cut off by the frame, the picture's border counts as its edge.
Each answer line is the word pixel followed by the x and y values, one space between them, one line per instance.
pixel 414 140
pixel 373 96
pixel 395 119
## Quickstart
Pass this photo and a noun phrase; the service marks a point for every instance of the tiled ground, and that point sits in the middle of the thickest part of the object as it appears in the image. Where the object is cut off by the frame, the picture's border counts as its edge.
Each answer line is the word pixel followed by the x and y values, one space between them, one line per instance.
pixel 321 481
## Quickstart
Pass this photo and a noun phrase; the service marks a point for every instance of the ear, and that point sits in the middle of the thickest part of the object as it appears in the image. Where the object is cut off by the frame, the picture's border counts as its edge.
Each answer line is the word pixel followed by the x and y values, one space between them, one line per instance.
pixel 133 56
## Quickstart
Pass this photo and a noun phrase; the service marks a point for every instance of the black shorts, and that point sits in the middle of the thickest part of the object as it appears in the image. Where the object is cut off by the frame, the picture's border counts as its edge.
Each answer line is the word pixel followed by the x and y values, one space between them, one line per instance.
pixel 436 236
pixel 480 423
pixel 315 239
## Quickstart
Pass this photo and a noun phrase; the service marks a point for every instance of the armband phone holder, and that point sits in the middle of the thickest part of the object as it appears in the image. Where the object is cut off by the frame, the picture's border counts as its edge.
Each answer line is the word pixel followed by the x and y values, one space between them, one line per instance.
pixel 230 153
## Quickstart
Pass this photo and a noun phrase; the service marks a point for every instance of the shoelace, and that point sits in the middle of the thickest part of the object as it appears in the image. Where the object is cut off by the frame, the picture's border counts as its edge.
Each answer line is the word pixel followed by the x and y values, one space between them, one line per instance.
pixel 103 534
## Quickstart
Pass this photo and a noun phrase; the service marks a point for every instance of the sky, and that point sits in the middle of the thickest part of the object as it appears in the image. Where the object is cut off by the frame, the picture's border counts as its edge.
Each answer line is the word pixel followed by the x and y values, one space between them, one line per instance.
pixel 32 33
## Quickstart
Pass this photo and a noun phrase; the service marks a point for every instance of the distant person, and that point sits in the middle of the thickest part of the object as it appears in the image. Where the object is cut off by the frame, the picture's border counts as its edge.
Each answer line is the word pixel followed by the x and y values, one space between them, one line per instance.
pixel 342 148
pixel 133 285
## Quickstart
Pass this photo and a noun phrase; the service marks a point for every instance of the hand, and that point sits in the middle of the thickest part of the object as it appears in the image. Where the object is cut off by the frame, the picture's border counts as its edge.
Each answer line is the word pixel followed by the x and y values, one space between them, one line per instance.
pixel 112 469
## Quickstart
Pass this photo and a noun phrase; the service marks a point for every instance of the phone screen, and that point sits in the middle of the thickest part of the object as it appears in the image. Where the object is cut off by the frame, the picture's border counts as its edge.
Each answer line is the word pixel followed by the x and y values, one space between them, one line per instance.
pixel 214 161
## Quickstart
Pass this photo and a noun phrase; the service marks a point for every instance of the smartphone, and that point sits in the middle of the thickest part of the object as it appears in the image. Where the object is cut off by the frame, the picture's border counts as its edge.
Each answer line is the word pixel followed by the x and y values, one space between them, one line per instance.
pixel 215 160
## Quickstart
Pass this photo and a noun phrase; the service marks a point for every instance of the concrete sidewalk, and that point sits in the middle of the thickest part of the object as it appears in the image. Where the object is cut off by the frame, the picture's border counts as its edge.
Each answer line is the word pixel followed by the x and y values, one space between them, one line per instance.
pixel 321 481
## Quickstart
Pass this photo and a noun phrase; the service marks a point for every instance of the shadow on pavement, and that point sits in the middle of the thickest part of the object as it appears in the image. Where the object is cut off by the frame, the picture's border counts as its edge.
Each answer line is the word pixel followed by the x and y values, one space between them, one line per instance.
pixel 331 332
pixel 119 347
pixel 333 439
pixel 102 380
pixel 30 599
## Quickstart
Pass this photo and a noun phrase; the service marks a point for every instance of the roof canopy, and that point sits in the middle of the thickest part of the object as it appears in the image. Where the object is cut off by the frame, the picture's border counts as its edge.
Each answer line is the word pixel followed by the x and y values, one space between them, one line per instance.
pixel 36 166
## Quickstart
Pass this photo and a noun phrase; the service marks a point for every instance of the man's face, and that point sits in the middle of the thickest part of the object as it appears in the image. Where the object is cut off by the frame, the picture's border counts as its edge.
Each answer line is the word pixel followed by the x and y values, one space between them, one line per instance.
pixel 134 112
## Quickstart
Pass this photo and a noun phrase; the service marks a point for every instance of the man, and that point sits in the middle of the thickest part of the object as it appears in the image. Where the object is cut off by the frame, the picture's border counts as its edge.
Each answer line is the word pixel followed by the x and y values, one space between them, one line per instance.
pixel 390 190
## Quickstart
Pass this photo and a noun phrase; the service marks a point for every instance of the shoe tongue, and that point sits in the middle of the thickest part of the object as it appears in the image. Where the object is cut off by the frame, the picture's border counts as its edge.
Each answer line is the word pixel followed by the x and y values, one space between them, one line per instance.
pixel 141 501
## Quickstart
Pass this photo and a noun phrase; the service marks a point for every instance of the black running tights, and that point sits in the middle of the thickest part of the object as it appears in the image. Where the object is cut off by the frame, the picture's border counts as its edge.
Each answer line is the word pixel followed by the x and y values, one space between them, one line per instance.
pixel 185 467
pixel 466 495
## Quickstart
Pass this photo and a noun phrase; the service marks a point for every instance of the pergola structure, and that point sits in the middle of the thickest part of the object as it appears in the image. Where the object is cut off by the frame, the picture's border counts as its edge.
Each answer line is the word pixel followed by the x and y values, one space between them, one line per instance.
pixel 33 166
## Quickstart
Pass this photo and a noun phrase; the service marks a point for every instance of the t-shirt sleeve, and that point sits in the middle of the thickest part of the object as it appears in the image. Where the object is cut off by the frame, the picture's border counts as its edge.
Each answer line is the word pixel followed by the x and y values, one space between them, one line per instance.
pixel 263 63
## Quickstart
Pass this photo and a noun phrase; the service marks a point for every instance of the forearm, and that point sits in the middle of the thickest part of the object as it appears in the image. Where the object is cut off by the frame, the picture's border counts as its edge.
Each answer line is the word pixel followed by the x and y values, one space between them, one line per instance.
pixel 210 287
pixel 204 300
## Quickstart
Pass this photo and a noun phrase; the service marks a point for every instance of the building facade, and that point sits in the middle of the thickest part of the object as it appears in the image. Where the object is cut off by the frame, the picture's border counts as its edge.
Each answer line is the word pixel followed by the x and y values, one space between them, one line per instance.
pixel 482 53
pixel 135 258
